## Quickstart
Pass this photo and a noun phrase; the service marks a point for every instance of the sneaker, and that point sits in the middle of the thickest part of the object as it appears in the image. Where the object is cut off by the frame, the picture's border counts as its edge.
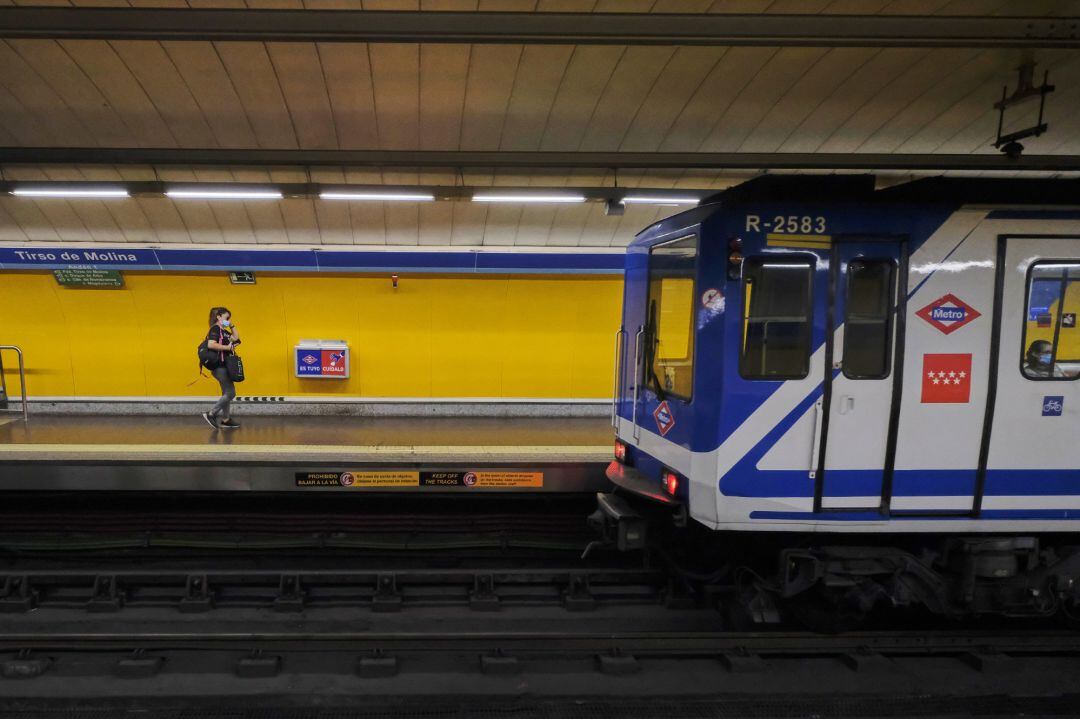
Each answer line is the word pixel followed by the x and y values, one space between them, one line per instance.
pixel 229 424
pixel 210 420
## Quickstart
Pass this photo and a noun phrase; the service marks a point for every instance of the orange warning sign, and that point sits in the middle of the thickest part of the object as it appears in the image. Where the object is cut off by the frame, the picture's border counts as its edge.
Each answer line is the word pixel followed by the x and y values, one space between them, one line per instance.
pixel 493 479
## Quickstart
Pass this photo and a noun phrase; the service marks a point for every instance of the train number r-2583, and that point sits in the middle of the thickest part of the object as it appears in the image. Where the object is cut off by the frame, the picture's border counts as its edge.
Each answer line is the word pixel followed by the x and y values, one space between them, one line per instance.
pixel 793 224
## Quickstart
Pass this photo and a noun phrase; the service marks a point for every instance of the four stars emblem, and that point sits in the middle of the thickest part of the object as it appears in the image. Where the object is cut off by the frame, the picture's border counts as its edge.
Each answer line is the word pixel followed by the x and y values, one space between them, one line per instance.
pixel 947 378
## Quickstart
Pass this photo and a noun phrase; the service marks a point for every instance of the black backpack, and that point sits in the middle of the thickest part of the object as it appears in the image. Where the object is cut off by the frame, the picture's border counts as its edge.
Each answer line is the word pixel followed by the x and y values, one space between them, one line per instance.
pixel 208 358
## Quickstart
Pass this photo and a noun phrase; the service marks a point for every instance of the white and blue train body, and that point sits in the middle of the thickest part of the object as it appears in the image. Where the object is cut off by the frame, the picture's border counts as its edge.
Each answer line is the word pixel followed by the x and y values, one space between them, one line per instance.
pixel 814 355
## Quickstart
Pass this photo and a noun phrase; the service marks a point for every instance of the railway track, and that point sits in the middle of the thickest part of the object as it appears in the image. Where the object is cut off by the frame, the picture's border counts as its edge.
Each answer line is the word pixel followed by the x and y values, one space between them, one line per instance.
pixel 526 644
pixel 326 645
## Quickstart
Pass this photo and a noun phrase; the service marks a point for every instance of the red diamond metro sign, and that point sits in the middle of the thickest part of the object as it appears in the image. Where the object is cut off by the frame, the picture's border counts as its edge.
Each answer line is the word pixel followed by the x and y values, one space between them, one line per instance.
pixel 948 313
pixel 664 417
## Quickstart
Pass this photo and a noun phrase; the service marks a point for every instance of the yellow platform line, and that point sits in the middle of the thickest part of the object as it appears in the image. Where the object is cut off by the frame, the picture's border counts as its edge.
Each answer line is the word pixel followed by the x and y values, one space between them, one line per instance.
pixel 239 452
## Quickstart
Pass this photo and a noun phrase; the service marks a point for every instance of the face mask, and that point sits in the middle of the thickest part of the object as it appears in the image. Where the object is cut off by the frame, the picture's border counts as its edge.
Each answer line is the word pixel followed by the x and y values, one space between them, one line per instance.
pixel 228 323
pixel 1044 358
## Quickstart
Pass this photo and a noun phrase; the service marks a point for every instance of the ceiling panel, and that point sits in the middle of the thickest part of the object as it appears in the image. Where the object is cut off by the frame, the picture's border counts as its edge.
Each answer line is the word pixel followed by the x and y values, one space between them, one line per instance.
pixel 444 72
pixel 252 76
pixel 299 74
pixel 540 74
pixel 733 72
pixel 396 73
pixel 346 71
pixel 485 97
pixel 855 91
pixel 681 78
pixel 492 97
pixel 212 92
pixel 101 66
pixel 40 101
pixel 157 76
pixel 820 81
pixel 625 91
pixel 584 80
pixel 491 76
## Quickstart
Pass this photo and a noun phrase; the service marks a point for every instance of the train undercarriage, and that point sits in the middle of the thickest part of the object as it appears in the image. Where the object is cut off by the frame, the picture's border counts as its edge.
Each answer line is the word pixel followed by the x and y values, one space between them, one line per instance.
pixel 836 583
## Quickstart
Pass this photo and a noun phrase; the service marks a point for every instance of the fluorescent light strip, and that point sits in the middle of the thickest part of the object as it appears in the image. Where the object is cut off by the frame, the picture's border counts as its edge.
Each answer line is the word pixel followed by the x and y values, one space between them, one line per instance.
pixel 376 196
pixel 73 192
pixel 223 194
pixel 634 199
pixel 528 198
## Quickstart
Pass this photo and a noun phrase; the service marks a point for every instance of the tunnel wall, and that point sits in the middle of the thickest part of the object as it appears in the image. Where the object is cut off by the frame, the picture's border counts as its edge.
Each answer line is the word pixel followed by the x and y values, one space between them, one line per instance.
pixel 485 336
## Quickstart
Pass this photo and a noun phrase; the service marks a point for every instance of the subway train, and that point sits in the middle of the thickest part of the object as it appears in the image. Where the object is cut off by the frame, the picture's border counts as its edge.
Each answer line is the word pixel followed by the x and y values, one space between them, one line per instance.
pixel 879 383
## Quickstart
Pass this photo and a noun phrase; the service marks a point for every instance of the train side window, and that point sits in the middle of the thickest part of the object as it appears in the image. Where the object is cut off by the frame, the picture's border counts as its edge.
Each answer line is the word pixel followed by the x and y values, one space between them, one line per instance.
pixel 777 313
pixel 669 346
pixel 1051 345
pixel 871 300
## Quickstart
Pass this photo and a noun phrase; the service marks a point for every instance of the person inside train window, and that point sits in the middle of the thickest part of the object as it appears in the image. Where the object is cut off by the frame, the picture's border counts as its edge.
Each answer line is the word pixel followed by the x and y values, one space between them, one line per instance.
pixel 1051 337
pixel 1039 361
pixel 222 338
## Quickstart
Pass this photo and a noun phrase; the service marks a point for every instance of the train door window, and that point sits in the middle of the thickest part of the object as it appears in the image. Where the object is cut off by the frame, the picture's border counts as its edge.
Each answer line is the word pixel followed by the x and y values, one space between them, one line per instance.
pixel 868 314
pixel 1051 345
pixel 669 347
pixel 777 313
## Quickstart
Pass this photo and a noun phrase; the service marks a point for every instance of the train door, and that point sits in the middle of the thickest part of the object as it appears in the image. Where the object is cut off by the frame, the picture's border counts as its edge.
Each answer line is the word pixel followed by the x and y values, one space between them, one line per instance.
pixel 665 343
pixel 861 390
pixel 1032 453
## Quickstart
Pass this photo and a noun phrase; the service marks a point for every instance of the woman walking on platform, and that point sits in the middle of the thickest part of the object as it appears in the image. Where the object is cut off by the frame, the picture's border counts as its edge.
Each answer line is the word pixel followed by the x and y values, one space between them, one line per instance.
pixel 221 339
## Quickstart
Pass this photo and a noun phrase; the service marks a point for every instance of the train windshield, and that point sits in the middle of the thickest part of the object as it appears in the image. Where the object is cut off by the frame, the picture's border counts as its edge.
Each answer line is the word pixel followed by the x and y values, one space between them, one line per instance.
pixel 669 360
pixel 776 318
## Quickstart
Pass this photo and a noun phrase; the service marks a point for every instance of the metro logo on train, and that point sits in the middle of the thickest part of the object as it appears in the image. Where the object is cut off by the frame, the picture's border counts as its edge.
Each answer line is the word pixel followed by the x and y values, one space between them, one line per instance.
pixel 949 313
pixel 665 420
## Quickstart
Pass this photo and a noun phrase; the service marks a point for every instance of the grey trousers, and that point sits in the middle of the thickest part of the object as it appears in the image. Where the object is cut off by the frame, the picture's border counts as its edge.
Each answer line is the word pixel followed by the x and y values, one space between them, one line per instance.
pixel 228 393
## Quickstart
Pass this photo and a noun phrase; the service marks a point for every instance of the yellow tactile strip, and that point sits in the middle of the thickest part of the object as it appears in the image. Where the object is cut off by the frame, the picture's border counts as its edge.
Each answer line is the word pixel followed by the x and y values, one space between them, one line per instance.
pixel 306 452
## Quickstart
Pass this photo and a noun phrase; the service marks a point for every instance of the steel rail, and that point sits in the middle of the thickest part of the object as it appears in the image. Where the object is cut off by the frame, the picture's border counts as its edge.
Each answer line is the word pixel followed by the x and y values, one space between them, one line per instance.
pixel 496 159
pixel 537 28
pixel 524 644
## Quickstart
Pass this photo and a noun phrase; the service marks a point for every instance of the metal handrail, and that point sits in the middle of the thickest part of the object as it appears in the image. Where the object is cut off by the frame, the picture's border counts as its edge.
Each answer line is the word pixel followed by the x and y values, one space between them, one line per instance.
pixel 637 380
pixel 618 377
pixel 22 380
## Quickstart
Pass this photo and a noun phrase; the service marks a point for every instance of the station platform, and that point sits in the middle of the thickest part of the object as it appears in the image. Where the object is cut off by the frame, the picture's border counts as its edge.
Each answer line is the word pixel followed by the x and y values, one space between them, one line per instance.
pixel 305 453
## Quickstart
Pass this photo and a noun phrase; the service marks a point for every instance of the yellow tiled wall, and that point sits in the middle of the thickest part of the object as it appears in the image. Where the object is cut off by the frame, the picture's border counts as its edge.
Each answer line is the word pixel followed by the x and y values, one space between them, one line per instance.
pixel 492 336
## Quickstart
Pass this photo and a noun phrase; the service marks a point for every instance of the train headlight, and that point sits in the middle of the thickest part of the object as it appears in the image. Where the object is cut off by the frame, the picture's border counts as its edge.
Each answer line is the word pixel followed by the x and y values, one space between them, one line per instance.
pixel 735 258
pixel 671 482
pixel 621 452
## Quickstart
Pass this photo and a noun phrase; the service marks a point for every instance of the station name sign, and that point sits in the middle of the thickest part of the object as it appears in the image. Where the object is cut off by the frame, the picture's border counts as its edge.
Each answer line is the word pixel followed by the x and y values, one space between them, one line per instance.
pixel 308 260
pixel 78 256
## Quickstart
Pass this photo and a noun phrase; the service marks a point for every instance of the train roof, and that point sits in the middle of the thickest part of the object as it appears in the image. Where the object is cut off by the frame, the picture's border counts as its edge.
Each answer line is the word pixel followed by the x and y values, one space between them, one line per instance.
pixel 929 190
pixel 862 189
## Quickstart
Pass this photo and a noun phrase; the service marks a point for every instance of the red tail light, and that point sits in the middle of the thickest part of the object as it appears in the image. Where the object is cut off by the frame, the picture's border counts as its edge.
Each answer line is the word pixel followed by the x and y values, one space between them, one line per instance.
pixel 620 451
pixel 671 482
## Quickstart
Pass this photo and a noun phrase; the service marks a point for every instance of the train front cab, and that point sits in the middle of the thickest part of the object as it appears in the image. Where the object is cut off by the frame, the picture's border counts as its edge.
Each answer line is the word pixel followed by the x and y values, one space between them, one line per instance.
pixel 667 318
pixel 793 387
pixel 874 379
pixel 724 373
